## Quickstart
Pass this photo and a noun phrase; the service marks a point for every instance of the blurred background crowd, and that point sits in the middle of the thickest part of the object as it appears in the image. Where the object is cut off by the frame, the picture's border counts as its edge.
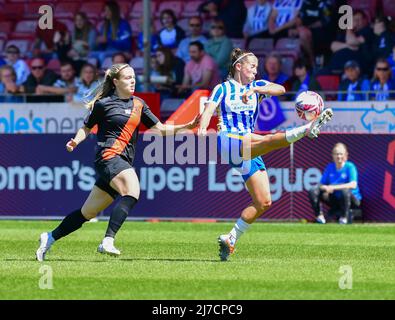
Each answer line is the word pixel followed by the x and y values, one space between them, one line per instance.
pixel 298 42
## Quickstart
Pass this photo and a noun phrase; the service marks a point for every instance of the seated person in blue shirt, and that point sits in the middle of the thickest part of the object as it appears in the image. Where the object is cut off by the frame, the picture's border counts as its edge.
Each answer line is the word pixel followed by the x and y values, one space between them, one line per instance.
pixel 115 35
pixel 352 86
pixel 382 87
pixel 338 188
pixel 273 71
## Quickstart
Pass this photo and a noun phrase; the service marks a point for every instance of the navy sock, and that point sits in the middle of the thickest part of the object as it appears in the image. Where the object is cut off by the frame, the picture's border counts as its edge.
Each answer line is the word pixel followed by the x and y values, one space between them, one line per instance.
pixel 70 223
pixel 119 215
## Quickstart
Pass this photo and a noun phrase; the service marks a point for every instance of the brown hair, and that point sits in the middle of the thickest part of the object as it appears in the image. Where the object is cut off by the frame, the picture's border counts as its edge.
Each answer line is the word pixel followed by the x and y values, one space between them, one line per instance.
pixel 115 18
pixel 82 34
pixel 107 86
pixel 7 67
pixel 235 56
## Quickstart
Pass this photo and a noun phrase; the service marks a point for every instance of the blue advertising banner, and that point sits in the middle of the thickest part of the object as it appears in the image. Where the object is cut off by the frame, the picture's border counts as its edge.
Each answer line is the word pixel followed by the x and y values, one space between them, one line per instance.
pixel 38 177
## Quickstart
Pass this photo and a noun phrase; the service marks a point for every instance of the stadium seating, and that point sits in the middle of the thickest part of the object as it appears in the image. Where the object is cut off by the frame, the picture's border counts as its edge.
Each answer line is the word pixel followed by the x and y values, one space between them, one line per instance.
pixel 176 6
pixel 329 83
pixel 238 42
pixel 54 65
pixel 24 29
pixel 137 9
pixel 24 45
pixel 32 8
pixel 261 46
pixel 190 9
pixel 389 7
pixel 66 10
pixel 92 9
pixel 14 10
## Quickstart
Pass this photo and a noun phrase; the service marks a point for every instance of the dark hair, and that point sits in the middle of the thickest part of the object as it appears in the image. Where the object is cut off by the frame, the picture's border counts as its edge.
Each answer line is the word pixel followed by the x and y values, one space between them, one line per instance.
pixel 88 65
pixel 166 68
pixel 384 19
pixel 301 63
pixel 66 63
pixel 116 17
pixel 82 34
pixel 219 21
pixel 198 18
pixel 234 56
pixel 119 54
pixel 361 12
pixel 12 46
pixel 170 13
pixel 197 44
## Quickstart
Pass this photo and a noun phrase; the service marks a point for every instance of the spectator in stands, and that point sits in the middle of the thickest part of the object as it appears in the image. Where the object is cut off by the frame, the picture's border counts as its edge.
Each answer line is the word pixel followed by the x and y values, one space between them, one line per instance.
pixel 273 71
pixel 232 13
pixel 21 68
pixel 382 82
pixel 83 41
pixel 257 22
pixel 355 44
pixel 283 17
pixel 391 61
pixel 2 62
pixel 39 75
pixel 115 34
pixel 65 86
pixel 384 40
pixel 219 47
pixel 352 84
pixel 171 34
pixel 140 39
pixel 195 26
pixel 87 81
pixel 169 66
pixel 312 25
pixel 338 187
pixel 201 72
pixel 8 85
pixel 48 41
pixel 303 80
pixel 83 31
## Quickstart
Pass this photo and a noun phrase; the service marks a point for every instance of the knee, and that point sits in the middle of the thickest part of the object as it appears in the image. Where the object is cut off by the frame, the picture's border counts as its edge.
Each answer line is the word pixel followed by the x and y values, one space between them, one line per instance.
pixel 263 205
pixel 313 193
pixel 346 193
pixel 89 213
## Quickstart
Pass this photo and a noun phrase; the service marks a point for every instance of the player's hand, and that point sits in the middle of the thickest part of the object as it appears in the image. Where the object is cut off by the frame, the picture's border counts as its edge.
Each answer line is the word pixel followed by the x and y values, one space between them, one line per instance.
pixel 247 95
pixel 202 132
pixel 196 122
pixel 71 145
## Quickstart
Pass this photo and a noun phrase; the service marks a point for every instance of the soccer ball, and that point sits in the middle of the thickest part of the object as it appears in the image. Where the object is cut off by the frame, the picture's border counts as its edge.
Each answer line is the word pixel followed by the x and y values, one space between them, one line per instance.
pixel 309 105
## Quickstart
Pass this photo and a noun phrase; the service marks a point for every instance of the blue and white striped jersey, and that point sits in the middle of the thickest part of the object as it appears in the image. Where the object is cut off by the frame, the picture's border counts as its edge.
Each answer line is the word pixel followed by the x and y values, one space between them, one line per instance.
pixel 234 115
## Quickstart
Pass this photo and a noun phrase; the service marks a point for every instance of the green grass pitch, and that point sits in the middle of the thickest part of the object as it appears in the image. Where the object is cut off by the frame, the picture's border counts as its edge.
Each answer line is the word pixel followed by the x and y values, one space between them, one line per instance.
pixel 179 260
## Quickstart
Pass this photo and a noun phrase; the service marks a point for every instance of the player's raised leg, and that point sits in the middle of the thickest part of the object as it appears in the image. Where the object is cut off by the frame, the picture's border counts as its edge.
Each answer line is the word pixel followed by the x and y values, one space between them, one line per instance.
pixel 97 201
pixel 255 145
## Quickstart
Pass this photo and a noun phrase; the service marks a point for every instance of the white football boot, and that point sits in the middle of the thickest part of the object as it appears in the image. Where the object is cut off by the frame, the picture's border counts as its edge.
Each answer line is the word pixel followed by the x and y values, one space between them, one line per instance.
pixel 225 247
pixel 107 247
pixel 46 240
pixel 316 124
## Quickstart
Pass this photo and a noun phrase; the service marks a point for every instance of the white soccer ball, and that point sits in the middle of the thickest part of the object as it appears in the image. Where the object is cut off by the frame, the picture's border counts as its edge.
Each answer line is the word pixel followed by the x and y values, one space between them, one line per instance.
pixel 309 105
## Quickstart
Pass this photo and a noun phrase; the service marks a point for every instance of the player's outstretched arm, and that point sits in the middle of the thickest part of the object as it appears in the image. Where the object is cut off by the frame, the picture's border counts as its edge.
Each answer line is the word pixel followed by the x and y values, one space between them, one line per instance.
pixel 168 129
pixel 270 89
pixel 80 136
pixel 206 116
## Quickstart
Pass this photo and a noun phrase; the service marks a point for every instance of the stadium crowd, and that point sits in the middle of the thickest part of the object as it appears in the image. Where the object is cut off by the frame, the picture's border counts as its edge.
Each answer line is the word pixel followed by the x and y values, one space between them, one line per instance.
pixel 298 42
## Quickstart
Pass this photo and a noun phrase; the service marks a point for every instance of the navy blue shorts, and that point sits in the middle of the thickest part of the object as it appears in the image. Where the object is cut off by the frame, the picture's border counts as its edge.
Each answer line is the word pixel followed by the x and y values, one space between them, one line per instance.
pixel 107 170
pixel 229 146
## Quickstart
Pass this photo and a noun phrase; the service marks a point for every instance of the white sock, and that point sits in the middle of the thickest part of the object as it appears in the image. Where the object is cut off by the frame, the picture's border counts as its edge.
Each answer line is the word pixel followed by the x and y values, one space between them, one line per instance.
pixel 109 240
pixel 295 134
pixel 239 228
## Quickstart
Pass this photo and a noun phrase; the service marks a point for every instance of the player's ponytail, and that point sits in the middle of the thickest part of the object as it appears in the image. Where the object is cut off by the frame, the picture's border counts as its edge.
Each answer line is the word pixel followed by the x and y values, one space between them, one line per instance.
pixel 237 55
pixel 107 86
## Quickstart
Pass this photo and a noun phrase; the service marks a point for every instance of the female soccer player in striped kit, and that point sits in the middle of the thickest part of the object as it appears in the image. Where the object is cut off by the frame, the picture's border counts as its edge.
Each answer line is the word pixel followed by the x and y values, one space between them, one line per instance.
pixel 236 101
pixel 118 114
